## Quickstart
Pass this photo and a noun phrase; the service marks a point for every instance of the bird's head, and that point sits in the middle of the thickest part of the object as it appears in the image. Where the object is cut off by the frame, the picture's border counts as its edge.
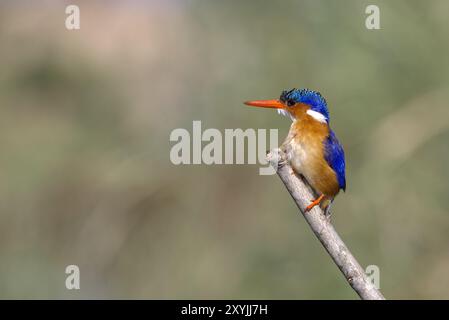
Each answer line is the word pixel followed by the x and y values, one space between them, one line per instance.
pixel 296 103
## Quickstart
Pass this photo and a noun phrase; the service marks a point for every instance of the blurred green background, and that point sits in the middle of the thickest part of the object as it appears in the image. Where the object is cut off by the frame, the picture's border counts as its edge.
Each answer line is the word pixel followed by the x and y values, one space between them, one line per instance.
pixel 85 174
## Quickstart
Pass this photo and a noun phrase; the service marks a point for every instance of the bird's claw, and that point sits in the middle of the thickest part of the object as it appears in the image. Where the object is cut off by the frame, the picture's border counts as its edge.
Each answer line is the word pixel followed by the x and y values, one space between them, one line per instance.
pixel 314 203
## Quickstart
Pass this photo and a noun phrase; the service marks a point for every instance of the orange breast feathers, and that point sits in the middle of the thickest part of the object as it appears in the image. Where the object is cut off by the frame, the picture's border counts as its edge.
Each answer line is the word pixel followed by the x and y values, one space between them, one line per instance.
pixel 304 148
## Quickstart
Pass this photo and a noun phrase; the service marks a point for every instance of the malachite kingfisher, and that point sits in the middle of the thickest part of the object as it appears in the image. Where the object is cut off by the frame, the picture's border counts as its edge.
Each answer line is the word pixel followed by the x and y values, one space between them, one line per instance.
pixel 311 147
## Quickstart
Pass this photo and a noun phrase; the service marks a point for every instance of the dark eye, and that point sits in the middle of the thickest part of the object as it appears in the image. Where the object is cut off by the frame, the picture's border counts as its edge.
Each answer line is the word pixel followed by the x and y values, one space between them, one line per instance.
pixel 290 103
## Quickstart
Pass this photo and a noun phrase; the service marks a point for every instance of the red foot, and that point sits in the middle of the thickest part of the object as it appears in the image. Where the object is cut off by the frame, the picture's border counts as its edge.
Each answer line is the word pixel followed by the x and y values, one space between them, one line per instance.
pixel 314 203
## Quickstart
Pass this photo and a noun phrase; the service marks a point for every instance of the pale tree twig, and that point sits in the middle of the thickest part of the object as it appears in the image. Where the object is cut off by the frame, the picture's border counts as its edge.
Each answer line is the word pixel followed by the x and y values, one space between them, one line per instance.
pixel 323 229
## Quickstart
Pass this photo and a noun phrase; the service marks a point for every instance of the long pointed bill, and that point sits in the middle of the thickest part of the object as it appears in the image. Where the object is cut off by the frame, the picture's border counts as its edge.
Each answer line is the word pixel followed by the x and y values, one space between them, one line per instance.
pixel 276 104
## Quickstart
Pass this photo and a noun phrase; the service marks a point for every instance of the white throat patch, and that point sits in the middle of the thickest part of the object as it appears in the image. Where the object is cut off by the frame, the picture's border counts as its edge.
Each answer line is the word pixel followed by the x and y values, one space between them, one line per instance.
pixel 286 113
pixel 317 116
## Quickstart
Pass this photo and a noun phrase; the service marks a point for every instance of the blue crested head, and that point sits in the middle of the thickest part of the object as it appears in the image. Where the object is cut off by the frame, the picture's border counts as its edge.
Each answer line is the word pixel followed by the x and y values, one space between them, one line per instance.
pixel 309 97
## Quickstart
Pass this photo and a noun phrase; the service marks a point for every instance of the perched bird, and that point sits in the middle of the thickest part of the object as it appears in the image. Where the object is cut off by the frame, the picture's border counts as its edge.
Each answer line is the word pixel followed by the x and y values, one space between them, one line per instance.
pixel 311 147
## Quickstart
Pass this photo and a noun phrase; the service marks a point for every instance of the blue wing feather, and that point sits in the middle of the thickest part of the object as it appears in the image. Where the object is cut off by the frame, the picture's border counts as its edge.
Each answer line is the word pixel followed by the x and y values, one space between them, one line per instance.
pixel 335 157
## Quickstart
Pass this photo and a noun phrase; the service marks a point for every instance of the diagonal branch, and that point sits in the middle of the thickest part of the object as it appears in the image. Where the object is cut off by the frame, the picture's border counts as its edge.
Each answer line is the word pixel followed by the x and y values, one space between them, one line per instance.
pixel 323 229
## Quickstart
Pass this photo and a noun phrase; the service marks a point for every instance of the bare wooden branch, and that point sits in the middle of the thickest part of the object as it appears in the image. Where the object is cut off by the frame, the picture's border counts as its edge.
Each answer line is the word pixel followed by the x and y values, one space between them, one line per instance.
pixel 323 229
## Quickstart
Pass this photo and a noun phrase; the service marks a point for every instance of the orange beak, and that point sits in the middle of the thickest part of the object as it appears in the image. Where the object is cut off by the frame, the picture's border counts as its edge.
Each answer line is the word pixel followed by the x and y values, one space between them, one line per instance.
pixel 276 104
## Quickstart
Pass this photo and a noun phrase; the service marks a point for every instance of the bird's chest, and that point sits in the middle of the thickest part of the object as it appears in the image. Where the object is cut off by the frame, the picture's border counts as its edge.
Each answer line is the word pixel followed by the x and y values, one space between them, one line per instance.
pixel 304 146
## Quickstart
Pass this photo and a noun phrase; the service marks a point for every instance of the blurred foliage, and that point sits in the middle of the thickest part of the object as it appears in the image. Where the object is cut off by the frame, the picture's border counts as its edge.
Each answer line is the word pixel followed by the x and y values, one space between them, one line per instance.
pixel 85 175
